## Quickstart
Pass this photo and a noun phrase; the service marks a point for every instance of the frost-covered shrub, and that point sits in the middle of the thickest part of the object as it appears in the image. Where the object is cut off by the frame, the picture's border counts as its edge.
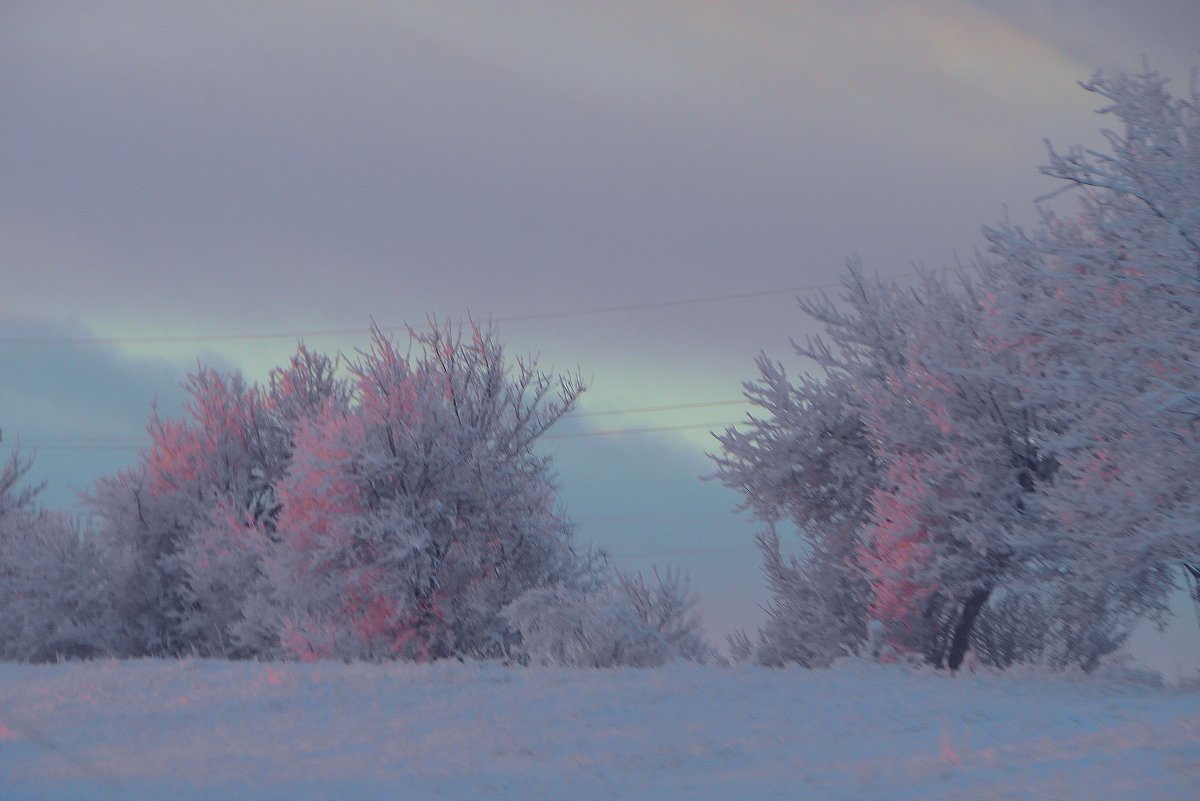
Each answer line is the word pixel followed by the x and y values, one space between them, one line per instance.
pixel 619 621
pixel 1058 628
pixel 816 613
pixel 741 647
pixel 56 590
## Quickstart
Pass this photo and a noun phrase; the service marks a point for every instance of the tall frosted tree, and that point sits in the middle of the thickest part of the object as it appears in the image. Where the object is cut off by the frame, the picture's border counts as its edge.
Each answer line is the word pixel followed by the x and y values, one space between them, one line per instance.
pixel 1030 438
pixel 411 516
pixel 183 525
pixel 907 468
pixel 1102 307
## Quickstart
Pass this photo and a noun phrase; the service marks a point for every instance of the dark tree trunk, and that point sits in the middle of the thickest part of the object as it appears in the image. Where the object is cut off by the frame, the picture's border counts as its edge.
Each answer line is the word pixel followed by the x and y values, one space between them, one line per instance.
pixel 1191 576
pixel 962 630
pixel 932 639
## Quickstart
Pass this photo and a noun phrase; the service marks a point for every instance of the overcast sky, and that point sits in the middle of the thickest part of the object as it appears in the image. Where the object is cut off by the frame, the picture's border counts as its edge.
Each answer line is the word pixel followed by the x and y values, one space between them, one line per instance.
pixel 244 168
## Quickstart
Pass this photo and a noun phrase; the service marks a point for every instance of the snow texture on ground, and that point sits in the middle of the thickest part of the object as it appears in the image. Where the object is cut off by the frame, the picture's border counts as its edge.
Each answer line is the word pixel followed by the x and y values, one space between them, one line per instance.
pixel 216 730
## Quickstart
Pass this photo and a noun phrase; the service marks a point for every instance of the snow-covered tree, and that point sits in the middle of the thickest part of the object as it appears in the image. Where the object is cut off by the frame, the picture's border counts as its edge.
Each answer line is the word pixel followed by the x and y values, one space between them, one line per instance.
pixel 394 513
pixel 412 515
pixel 186 523
pixel 963 472
pixel 1102 308
pixel 56 594
pixel 805 458
pixel 1035 440
pixel 906 469
pixel 223 558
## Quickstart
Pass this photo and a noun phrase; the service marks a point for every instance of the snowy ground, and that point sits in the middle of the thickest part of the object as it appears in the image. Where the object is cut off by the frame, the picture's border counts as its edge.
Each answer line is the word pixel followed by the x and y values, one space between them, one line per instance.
pixel 212 730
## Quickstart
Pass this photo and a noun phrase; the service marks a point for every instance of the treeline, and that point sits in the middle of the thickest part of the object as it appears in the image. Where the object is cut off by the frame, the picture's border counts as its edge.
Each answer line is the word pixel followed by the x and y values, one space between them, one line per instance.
pixel 393 510
pixel 1002 461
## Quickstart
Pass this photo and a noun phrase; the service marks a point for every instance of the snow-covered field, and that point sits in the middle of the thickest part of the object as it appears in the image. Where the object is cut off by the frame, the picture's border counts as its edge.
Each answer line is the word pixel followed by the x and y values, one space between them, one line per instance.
pixel 214 730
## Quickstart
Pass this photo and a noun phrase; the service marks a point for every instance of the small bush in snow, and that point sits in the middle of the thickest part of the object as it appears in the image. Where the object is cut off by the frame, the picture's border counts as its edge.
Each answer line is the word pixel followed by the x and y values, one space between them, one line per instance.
pixel 619 621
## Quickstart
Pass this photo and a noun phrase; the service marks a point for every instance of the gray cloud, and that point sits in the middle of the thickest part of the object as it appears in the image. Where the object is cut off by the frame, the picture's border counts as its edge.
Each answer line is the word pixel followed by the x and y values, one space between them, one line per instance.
pixel 341 163
pixel 1110 34
pixel 54 398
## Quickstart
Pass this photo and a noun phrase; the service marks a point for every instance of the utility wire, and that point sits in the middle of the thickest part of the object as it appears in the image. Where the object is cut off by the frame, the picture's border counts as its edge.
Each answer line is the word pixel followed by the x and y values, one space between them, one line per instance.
pixel 342 332
pixel 623 431
pixel 682 552
pixel 130 443
pixel 101 440
pixel 670 408
pixel 658 521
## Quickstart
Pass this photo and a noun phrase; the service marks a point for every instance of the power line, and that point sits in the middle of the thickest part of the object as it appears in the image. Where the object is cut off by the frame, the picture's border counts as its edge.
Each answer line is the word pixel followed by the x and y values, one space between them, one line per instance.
pixel 129 443
pixel 658 521
pixel 663 304
pixel 671 408
pixel 91 440
pixel 342 332
pixel 101 440
pixel 682 552
pixel 623 431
